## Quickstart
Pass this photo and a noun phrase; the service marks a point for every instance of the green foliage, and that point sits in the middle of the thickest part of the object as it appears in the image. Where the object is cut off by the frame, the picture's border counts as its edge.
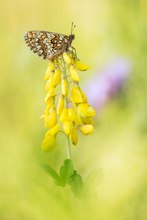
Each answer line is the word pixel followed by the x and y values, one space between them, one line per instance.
pixel 67 176
pixel 66 171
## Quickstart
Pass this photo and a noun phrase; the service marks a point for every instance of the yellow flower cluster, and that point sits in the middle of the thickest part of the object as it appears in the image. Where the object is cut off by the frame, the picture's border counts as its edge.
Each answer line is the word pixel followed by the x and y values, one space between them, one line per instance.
pixel 67 108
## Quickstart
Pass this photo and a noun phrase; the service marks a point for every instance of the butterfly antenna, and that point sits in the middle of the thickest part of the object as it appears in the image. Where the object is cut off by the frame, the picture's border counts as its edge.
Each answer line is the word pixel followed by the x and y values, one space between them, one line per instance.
pixel 72 27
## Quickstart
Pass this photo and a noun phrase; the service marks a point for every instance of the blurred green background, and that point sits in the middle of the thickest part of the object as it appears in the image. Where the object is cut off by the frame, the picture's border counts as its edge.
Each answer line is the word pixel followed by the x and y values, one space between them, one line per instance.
pixel 117 150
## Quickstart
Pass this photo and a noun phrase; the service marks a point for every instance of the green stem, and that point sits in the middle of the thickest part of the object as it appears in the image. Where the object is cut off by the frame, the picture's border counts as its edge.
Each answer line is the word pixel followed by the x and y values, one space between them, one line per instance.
pixel 68 149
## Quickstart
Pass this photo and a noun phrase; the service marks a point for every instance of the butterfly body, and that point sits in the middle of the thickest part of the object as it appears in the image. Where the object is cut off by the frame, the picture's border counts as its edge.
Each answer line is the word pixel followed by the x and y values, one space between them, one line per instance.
pixel 48 45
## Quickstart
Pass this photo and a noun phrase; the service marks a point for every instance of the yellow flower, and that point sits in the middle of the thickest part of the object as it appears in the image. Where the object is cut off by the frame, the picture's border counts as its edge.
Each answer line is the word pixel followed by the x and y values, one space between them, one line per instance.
pixel 49 71
pixel 68 114
pixel 78 114
pixel 48 143
pixel 64 115
pixel 64 87
pixel 67 127
pixel 86 129
pixel 74 136
pixel 87 120
pixel 50 119
pixel 50 83
pixel 60 105
pixel 51 66
pixel 50 93
pixel 50 102
pixel 85 110
pixel 76 95
pixel 81 66
pixel 57 76
pixel 68 58
pixel 74 74
pixel 54 130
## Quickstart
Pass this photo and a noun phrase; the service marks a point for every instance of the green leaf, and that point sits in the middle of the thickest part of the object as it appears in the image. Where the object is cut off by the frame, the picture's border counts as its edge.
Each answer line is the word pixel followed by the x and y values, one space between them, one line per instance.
pixel 51 172
pixel 76 183
pixel 66 171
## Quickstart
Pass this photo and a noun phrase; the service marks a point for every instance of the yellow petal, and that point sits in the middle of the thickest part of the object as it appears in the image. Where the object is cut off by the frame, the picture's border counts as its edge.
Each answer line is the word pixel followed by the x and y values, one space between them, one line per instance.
pixel 57 76
pixel 64 115
pixel 82 109
pixel 74 74
pixel 48 143
pixel 54 130
pixel 51 119
pixel 85 110
pixel 60 105
pixel 64 87
pixel 50 93
pixel 87 120
pixel 51 66
pixel 76 95
pixel 74 136
pixel 50 82
pixel 67 127
pixel 50 104
pixel 86 129
pixel 49 71
pixel 71 115
pixel 68 58
pixel 81 66
pixel 47 74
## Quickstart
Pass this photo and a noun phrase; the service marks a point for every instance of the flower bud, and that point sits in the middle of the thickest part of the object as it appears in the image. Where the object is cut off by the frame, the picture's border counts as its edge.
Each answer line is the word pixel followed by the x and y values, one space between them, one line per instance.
pixel 48 143
pixel 87 120
pixel 74 136
pixel 54 130
pixel 81 66
pixel 76 95
pixel 49 71
pixel 60 105
pixel 71 115
pixel 50 93
pixel 57 76
pixel 64 115
pixel 68 59
pixel 50 82
pixel 67 127
pixel 86 129
pixel 50 119
pixel 74 74
pixel 64 87
pixel 50 104
pixel 85 110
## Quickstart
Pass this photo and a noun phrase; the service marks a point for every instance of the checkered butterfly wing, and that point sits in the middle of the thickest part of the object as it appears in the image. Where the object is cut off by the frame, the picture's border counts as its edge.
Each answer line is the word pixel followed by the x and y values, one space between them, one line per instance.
pixel 49 45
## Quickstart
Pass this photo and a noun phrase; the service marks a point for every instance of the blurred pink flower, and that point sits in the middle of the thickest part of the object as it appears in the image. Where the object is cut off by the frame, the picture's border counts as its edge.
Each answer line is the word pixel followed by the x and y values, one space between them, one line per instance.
pixel 105 84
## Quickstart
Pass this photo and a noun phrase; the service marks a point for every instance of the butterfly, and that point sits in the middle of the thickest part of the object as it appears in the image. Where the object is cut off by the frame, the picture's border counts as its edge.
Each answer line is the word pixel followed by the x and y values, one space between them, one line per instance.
pixel 48 45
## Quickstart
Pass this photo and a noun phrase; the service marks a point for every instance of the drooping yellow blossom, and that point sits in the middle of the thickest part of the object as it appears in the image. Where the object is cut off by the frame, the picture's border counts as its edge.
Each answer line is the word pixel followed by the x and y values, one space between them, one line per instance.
pixel 48 143
pixel 60 105
pixel 50 82
pixel 68 58
pixel 76 95
pixel 49 71
pixel 74 74
pixel 74 136
pixel 64 87
pixel 81 66
pixel 67 108
pixel 50 119
pixel 85 110
pixel 54 130
pixel 86 129
pixel 57 76
pixel 67 127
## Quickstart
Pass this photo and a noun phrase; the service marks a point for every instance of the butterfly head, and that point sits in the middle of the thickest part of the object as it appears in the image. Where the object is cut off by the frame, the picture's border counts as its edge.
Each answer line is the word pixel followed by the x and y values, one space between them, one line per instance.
pixel 71 37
